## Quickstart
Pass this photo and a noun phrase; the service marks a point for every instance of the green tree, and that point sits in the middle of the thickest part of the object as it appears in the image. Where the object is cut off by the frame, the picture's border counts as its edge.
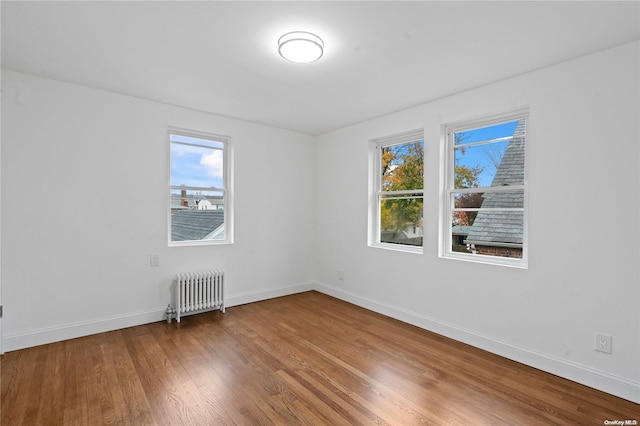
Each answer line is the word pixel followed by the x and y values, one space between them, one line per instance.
pixel 402 169
pixel 465 177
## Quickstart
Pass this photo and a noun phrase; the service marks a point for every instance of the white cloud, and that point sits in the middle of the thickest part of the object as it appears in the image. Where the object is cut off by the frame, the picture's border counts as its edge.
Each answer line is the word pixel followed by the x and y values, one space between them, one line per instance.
pixel 214 163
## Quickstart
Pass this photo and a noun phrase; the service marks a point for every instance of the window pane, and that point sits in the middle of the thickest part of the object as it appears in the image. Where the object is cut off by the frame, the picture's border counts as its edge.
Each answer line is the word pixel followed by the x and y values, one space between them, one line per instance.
pixel 197 165
pixel 480 134
pixel 401 220
pixel 479 200
pixel 402 166
pixel 491 233
pixel 483 158
pixel 197 215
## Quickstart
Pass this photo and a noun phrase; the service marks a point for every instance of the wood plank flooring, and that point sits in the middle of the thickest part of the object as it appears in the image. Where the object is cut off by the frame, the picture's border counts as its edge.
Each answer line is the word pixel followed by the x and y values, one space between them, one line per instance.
pixel 301 359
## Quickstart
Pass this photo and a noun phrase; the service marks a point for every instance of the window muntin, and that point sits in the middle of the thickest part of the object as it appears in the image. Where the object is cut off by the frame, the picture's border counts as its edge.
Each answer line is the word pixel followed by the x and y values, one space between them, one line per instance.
pixel 199 192
pixel 397 206
pixel 485 202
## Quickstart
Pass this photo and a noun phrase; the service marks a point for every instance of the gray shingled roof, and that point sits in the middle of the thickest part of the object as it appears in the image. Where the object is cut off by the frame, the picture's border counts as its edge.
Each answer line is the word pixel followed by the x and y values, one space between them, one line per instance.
pixel 190 225
pixel 503 228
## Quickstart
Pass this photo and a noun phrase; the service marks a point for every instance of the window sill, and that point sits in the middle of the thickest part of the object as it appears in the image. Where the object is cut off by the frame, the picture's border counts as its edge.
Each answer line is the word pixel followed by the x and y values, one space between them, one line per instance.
pixel 487 260
pixel 200 243
pixel 398 247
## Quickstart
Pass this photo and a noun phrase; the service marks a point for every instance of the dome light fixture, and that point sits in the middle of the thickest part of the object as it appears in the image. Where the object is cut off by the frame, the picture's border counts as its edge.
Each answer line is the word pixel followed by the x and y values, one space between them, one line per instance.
pixel 301 47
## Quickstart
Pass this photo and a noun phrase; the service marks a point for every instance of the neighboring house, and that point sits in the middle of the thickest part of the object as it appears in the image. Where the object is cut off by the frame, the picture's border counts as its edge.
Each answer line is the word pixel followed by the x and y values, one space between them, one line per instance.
pixel 184 202
pixel 191 225
pixel 205 205
pixel 499 233
pixel 459 234
pixel 411 235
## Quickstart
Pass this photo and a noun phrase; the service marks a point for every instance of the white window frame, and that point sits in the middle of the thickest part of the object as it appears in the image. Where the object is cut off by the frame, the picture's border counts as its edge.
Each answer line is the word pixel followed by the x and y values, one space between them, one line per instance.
pixel 226 189
pixel 448 189
pixel 375 192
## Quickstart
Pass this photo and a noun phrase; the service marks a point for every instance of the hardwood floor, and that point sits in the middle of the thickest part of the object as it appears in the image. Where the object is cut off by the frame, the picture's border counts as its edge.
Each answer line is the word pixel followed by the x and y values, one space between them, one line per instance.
pixel 301 359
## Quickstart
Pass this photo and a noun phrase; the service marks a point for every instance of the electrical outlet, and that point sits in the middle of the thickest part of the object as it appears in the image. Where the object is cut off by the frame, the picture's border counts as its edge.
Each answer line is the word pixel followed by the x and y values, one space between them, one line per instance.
pixel 603 343
pixel 154 260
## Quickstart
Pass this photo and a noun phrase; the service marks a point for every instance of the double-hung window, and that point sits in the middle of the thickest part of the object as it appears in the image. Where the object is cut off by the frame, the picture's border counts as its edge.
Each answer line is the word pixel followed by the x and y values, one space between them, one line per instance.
pixel 199 193
pixel 485 205
pixel 397 176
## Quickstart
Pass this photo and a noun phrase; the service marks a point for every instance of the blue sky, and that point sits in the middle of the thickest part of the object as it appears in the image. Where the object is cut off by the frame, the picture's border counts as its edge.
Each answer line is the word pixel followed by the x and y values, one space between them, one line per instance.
pixel 486 156
pixel 196 165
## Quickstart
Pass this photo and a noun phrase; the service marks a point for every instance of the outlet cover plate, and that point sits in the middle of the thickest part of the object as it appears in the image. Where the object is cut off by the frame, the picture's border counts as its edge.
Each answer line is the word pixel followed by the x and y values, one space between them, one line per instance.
pixel 603 343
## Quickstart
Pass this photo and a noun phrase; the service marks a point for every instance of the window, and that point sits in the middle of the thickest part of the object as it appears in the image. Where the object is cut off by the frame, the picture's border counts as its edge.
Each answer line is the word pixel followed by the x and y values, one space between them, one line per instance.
pixel 484 214
pixel 396 219
pixel 199 192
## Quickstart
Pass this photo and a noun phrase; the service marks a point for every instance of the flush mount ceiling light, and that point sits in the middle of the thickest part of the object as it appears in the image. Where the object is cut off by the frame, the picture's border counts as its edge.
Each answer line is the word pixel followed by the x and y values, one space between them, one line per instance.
pixel 301 47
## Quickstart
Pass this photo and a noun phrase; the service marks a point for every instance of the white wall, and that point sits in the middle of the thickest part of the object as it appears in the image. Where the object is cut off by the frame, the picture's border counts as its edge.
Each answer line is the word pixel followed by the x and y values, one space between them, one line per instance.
pixel 84 204
pixel 584 193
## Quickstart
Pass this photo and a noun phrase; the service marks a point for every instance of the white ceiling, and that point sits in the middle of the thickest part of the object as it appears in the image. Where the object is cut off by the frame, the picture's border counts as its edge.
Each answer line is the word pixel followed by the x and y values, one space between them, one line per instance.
pixel 380 57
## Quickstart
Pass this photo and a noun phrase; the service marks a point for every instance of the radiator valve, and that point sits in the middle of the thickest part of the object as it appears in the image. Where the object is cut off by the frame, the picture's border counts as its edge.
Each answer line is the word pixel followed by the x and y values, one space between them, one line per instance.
pixel 170 312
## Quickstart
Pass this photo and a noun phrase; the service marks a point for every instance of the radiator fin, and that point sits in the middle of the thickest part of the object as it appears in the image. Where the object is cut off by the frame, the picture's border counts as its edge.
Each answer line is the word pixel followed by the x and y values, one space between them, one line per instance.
pixel 199 291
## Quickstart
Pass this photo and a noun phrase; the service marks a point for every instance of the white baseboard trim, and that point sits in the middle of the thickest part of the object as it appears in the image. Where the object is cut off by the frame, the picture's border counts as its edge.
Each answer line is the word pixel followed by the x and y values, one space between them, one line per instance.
pixel 244 298
pixel 86 328
pixel 609 383
pixel 80 329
